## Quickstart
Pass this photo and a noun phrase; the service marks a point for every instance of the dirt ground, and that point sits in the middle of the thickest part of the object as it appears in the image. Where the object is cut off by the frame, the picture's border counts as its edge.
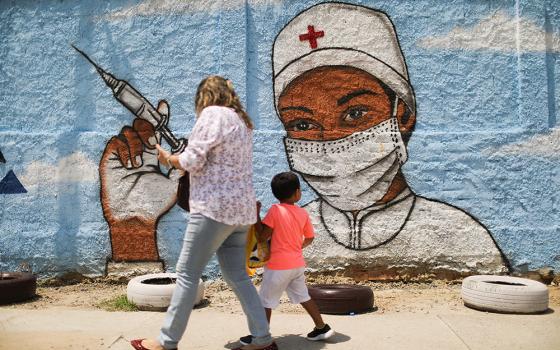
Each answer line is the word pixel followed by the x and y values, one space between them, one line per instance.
pixel 389 297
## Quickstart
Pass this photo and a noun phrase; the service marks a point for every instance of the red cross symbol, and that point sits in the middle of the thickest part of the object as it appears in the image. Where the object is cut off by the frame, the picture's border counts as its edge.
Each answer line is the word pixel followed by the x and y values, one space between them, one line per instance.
pixel 312 36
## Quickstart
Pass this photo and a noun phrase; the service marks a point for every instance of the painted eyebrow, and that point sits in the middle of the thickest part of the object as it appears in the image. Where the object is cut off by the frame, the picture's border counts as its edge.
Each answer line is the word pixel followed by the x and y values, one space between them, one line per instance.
pixel 344 99
pixel 297 108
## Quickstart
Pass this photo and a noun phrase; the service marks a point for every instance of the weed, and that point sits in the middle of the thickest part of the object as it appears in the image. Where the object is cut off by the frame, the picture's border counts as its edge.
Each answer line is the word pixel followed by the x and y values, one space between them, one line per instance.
pixel 119 303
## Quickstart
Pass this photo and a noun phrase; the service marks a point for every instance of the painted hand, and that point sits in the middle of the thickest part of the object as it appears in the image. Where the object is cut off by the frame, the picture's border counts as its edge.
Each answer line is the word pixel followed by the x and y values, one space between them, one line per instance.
pixel 134 191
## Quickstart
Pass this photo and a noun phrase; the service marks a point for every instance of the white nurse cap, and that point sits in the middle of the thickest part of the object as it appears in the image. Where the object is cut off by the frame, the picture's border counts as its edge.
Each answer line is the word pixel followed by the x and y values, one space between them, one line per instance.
pixel 339 34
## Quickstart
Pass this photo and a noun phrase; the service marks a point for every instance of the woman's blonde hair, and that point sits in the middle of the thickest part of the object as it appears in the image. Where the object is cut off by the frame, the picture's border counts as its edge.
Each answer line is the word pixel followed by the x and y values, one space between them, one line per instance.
pixel 217 91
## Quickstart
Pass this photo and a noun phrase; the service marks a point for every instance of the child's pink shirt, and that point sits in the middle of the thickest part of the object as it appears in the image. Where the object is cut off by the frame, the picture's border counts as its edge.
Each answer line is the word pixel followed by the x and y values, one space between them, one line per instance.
pixel 289 224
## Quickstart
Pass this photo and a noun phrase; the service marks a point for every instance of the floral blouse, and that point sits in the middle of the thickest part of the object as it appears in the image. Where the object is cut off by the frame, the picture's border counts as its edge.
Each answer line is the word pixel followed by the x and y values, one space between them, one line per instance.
pixel 219 158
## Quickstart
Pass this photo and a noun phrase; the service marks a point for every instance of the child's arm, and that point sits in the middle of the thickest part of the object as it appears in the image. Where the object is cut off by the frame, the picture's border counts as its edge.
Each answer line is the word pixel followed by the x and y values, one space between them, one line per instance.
pixel 263 231
pixel 308 232
pixel 306 242
pixel 264 234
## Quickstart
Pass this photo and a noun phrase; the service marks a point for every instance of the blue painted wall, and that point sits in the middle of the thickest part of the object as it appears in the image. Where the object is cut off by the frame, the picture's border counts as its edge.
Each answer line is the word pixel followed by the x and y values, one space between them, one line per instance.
pixel 486 137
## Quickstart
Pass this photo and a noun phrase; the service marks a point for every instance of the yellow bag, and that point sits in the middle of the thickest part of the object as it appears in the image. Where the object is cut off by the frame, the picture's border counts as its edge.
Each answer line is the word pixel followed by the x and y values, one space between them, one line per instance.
pixel 255 252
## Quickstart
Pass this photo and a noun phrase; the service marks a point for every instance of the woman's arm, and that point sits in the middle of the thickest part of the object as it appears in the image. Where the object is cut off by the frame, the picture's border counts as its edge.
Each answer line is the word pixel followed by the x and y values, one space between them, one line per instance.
pixel 206 134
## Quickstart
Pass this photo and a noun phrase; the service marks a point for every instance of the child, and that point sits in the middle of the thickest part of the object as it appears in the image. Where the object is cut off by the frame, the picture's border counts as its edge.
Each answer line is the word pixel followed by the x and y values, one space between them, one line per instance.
pixel 290 230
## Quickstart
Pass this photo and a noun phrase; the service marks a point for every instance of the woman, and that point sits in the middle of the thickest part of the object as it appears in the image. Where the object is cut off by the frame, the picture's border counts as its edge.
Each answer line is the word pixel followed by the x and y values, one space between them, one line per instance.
pixel 222 206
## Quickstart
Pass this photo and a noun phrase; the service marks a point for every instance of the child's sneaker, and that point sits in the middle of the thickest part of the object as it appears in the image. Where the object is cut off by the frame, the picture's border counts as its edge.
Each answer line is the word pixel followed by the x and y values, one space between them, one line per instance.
pixel 320 334
pixel 246 340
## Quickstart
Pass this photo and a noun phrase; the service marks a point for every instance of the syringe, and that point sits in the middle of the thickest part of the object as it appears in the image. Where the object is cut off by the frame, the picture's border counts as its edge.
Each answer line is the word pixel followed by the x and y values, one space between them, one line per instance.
pixel 129 97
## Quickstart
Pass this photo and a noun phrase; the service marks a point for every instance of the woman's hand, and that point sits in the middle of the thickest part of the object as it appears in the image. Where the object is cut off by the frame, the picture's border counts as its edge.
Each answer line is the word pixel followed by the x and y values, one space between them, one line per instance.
pixel 163 156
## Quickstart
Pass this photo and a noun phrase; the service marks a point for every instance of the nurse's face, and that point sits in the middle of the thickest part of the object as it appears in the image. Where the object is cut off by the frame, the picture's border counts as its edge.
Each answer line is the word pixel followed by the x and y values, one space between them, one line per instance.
pixel 329 103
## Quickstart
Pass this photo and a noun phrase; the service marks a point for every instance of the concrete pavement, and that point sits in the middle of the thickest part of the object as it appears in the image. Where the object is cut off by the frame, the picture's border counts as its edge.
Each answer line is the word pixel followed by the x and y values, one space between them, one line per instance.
pixel 67 328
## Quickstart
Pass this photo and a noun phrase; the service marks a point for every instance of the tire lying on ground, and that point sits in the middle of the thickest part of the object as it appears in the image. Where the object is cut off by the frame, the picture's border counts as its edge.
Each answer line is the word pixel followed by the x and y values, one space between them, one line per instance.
pixel 504 294
pixel 153 292
pixel 17 286
pixel 341 298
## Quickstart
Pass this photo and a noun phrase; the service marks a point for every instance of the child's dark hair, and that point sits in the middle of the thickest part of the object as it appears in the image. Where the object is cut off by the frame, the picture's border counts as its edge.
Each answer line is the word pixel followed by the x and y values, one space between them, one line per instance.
pixel 284 185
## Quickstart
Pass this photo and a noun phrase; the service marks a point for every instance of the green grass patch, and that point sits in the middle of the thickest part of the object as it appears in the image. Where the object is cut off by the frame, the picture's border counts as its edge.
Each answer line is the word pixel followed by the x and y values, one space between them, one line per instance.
pixel 119 303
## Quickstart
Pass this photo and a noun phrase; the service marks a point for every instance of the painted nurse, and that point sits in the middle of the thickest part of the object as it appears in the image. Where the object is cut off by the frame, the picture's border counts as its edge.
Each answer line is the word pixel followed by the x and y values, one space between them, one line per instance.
pixel 342 92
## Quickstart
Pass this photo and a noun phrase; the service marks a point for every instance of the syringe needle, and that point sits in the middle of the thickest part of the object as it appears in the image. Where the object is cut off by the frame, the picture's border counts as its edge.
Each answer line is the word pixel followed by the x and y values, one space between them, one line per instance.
pixel 87 58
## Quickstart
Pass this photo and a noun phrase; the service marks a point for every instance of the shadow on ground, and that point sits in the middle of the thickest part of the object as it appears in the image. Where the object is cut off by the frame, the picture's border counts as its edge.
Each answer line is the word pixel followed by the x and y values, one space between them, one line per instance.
pixel 31 300
pixel 203 303
pixel 299 342
pixel 548 311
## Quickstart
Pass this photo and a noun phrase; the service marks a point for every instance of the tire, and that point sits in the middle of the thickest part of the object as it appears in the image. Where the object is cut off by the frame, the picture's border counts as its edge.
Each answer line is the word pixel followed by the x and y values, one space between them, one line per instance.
pixel 17 286
pixel 153 292
pixel 504 294
pixel 340 299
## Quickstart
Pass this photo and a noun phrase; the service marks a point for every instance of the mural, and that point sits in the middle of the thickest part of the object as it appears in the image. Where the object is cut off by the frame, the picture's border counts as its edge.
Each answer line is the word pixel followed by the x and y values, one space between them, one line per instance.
pixel 135 193
pixel 10 184
pixel 426 135
pixel 342 92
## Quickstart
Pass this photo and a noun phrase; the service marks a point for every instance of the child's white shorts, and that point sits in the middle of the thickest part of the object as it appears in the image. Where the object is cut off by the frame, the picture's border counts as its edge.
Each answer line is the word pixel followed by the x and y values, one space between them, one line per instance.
pixel 275 282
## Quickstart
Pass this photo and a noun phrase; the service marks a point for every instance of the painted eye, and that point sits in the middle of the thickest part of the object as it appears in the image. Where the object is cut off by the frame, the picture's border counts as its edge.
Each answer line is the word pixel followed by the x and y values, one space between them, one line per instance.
pixel 354 113
pixel 301 125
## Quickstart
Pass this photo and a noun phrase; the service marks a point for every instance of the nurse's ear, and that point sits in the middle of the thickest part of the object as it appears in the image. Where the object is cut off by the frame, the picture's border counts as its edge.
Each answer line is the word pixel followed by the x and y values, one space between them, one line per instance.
pixel 406 119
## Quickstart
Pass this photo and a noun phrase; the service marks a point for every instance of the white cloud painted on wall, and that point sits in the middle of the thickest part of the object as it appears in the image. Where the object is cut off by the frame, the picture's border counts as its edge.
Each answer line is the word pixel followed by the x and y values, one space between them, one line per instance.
pixel 156 7
pixel 545 145
pixel 77 167
pixel 497 32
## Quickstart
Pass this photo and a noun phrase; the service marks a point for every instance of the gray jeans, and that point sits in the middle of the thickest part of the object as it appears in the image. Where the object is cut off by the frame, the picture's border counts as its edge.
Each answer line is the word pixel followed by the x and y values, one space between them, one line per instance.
pixel 205 236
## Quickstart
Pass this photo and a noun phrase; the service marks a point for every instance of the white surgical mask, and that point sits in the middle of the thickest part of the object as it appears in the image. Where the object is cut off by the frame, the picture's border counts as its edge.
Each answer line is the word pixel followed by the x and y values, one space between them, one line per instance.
pixel 354 172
